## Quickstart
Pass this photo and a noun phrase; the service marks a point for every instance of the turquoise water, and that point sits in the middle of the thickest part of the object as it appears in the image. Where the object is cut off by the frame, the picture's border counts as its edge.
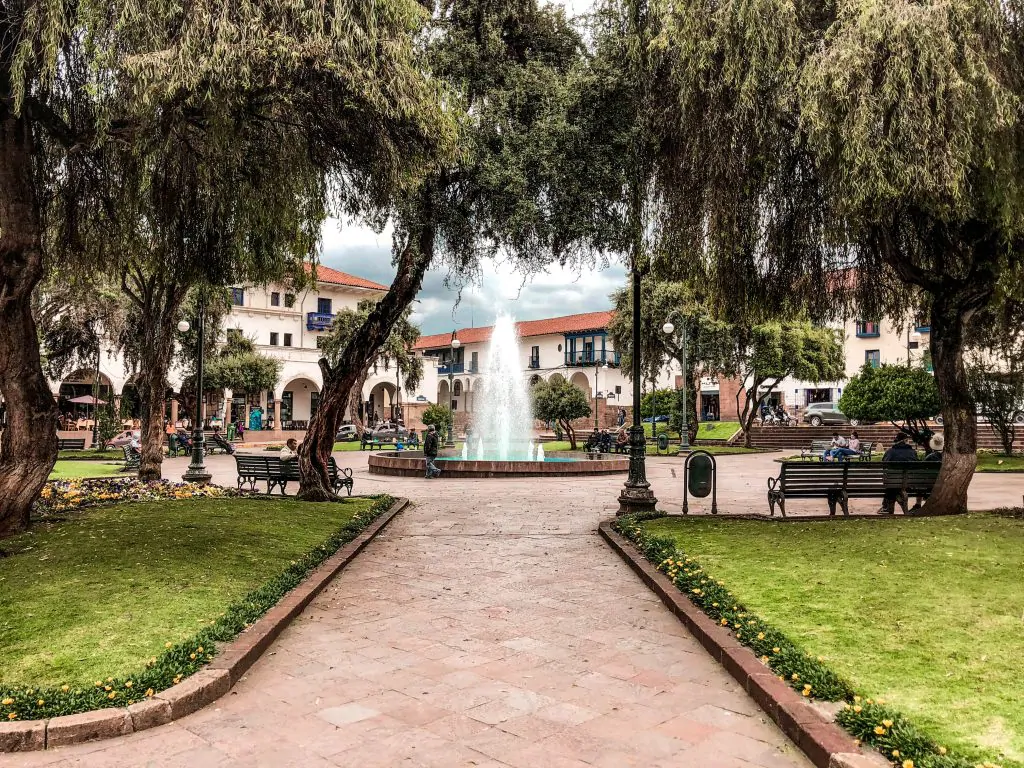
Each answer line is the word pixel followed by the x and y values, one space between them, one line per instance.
pixel 547 460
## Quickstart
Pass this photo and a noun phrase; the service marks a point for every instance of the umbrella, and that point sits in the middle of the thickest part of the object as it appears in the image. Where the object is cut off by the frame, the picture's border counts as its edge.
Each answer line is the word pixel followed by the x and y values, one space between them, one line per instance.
pixel 87 400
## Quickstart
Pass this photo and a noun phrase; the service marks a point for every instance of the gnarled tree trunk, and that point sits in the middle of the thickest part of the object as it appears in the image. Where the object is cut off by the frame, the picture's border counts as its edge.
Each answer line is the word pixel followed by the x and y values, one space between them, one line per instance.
pixel 28 447
pixel 315 450
pixel 959 457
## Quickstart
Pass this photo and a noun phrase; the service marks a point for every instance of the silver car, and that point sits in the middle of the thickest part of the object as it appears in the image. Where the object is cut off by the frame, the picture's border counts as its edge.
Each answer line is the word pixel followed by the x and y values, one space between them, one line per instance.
pixel 817 414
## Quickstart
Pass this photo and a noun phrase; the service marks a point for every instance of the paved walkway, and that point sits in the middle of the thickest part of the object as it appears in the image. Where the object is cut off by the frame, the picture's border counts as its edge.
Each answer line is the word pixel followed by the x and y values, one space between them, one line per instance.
pixel 488 626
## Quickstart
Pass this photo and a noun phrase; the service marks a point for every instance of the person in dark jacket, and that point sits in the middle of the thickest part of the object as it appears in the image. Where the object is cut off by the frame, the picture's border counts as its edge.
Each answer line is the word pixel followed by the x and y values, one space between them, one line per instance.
pixel 901 450
pixel 430 448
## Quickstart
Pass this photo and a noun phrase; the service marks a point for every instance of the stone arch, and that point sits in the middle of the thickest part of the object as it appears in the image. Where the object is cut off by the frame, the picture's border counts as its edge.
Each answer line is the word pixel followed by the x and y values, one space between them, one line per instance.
pixel 556 378
pixel 382 401
pixel 300 397
pixel 580 381
pixel 443 393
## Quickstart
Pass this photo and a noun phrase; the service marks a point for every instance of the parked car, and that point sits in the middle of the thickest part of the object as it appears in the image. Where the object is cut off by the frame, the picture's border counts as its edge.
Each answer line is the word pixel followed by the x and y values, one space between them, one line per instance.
pixel 123 438
pixel 388 432
pixel 817 414
pixel 346 433
pixel 661 418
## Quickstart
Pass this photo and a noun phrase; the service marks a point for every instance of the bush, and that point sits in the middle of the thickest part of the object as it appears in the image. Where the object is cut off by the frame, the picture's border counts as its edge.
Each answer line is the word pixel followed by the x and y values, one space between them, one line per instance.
pixel 561 402
pixel 439 416
pixel 907 397
pixel 661 402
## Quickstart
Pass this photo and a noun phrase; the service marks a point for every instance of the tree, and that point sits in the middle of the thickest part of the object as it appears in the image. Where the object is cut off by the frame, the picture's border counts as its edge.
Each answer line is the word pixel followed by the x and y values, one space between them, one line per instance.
pixel 506 65
pixel 906 397
pixel 237 366
pixel 862 156
pixel 660 402
pixel 438 416
pixel 560 402
pixel 397 350
pixel 998 389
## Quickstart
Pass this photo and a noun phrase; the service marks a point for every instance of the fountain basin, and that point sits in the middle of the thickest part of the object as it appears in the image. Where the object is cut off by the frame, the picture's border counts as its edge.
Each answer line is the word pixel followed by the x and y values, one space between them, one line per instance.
pixel 559 464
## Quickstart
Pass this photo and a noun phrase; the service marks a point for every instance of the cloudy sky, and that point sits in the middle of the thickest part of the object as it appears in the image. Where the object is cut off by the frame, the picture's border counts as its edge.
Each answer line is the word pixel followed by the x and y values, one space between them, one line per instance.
pixel 362 252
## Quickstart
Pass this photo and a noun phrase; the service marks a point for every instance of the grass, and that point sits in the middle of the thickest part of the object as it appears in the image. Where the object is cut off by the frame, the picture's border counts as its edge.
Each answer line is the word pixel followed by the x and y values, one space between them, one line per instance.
pixel 926 613
pixel 652 450
pixel 720 430
pixel 100 593
pixel 92 455
pixel 68 470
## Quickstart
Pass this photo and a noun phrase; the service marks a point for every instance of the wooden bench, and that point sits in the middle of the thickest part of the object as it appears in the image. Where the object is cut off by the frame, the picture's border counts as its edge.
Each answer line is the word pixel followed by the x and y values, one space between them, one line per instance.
pixel 132 460
pixel 276 473
pixel 840 481
pixel 371 444
pixel 70 443
pixel 818 448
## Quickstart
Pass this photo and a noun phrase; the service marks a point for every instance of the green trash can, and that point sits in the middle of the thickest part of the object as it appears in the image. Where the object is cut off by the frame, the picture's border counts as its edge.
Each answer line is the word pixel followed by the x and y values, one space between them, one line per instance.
pixel 172 445
pixel 231 431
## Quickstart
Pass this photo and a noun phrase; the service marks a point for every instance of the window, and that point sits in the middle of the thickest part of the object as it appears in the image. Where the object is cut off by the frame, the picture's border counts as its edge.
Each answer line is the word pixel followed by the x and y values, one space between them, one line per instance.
pixel 323 306
pixel 275 299
pixel 457 390
pixel 289 300
pixel 287 340
pixel 273 338
pixel 874 357
pixel 238 297
pixel 535 357
pixel 473 364
pixel 867 329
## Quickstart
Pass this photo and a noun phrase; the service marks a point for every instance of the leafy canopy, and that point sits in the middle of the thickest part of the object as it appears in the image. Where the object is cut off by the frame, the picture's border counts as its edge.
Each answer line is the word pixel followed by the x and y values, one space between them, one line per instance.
pixel 560 401
pixel 893 393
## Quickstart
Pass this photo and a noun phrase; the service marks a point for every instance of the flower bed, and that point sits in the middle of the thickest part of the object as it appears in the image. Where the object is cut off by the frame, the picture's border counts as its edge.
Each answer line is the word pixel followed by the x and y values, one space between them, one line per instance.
pixel 870 721
pixel 67 495
pixel 181 659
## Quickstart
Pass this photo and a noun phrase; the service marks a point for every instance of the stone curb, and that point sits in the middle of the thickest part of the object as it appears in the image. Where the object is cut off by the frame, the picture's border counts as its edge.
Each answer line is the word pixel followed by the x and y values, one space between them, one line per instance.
pixel 206 685
pixel 825 743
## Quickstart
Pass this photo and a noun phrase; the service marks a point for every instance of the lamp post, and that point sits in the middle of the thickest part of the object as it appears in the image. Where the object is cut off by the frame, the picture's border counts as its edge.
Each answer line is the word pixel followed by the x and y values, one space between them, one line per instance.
pixel 196 472
pixel 597 368
pixel 915 336
pixel 636 494
pixel 453 345
pixel 684 427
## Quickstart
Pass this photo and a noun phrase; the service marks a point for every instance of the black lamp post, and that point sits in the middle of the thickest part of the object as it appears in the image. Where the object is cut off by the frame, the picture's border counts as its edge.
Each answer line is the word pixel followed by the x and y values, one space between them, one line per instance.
pixel 636 494
pixel 196 472
pixel 597 369
pixel 684 428
pixel 453 345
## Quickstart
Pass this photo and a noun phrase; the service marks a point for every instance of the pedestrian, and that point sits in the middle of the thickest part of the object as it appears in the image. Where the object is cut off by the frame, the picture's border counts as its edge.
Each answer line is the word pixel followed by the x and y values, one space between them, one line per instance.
pixel 430 447
pixel 172 438
pixel 622 416
pixel 900 451
pixel 935 445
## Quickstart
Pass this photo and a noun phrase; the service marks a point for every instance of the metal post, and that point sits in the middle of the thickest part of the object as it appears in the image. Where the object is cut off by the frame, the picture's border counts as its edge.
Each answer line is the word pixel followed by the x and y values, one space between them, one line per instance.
pixel 96 397
pixel 908 346
pixel 596 368
pixel 196 472
pixel 636 495
pixel 684 429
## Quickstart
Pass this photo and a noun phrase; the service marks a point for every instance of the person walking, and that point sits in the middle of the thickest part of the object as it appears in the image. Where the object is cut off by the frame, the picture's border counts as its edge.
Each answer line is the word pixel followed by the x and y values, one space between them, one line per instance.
pixel 430 447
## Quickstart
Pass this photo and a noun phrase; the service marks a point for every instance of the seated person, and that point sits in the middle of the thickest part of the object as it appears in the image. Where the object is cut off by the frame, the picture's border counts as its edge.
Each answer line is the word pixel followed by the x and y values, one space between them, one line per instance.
pixel 414 439
pixel 844 448
pixel 184 440
pixel 622 442
pixel 901 451
pixel 218 439
pixel 594 441
pixel 288 453
pixel 134 445
pixel 606 442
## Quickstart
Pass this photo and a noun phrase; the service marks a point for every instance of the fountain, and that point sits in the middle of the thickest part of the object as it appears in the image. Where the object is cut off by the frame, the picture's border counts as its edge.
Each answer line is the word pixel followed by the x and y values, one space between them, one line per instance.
pixel 504 422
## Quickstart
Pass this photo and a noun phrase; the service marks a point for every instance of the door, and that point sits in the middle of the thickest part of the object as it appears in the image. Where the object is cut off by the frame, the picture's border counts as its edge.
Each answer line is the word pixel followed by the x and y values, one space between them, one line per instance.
pixel 323 306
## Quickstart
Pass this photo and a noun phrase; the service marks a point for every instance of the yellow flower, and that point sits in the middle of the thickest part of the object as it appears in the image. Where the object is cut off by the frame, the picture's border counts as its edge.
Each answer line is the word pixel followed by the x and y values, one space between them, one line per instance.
pixel 110 679
pixel 775 649
pixel 191 655
pixel 895 753
pixel 856 698
pixel 724 622
pixel 807 691
pixel 177 679
pixel 12 716
pixel 99 683
pixel 857 708
pixel 111 695
pixel 887 723
pixel 764 659
pixel 908 764
pixel 796 676
pixel 760 635
pixel 65 688
pixel 167 645
pixel 879 730
pixel 106 687
pixel 942 750
pixel 7 702
pixel 149 691
pixel 40 703
pixel 128 684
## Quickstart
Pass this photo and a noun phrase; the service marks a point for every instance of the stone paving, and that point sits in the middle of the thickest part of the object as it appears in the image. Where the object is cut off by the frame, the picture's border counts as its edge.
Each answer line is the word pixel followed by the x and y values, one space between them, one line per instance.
pixel 487 626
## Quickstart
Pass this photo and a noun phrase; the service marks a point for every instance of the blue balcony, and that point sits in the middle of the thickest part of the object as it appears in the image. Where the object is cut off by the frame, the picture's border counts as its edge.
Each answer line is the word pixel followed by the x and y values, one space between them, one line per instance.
pixel 592 358
pixel 868 330
pixel 923 328
pixel 445 368
pixel 318 321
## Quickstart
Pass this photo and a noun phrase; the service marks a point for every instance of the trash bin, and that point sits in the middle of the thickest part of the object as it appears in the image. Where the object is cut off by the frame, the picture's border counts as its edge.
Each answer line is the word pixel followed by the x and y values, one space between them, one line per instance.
pixel 231 431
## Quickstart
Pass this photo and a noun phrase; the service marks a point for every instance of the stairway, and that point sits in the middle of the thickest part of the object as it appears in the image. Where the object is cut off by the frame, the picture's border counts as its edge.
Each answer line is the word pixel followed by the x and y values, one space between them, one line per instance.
pixel 795 438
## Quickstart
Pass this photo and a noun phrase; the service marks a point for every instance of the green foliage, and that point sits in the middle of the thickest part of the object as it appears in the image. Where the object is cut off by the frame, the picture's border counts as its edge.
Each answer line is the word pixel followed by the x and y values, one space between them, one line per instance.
pixel 893 393
pixel 892 734
pixel 560 402
pixel 439 416
pixel 998 389
pixel 661 402
pixel 238 366
pixel 107 424
pixel 185 657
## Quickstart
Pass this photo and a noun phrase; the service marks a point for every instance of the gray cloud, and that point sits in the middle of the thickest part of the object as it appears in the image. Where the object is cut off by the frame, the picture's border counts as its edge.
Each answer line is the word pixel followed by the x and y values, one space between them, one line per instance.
pixel 557 291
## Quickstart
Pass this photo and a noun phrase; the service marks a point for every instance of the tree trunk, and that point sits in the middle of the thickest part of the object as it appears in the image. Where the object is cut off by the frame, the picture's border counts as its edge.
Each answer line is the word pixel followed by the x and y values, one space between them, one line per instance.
pixel 355 397
pixel 571 433
pixel 315 450
pixel 959 457
pixel 28 446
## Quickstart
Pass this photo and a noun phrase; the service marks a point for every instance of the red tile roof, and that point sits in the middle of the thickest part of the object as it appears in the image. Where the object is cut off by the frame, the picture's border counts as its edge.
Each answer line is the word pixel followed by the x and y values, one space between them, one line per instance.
pixel 588 321
pixel 328 275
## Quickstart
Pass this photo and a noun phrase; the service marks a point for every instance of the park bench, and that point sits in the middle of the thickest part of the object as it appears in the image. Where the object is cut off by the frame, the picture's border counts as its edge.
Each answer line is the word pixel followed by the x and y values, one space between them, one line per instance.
pixel 818 448
pixel 70 443
pixel 378 444
pixel 131 458
pixel 276 473
pixel 838 482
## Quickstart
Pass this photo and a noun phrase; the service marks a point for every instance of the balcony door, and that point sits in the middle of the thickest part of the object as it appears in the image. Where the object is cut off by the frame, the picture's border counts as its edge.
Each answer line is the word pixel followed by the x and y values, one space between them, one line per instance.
pixel 323 306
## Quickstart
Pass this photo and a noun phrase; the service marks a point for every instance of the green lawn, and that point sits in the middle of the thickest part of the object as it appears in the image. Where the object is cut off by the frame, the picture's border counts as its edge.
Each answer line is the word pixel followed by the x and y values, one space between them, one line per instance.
pixel 720 430
pixel 652 450
pixel 926 613
pixel 99 594
pixel 92 455
pixel 67 470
